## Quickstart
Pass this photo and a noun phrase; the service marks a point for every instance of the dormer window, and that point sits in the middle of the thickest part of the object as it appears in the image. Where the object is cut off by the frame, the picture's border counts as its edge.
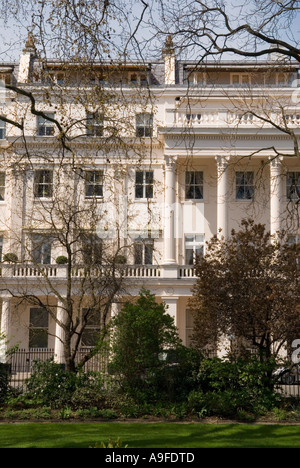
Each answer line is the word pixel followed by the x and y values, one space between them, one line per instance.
pixel 138 79
pixel 196 79
pixel 240 79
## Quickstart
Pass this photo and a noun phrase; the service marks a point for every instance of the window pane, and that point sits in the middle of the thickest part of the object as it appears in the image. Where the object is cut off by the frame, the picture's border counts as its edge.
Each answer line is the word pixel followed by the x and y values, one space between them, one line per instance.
pixel 38 317
pixel 139 177
pixel 149 191
pixel 41 249
pixel 38 331
pixel 293 185
pixel 189 258
pixel 144 125
pixel 94 184
pixel 198 194
pixel 138 253
pixel 194 185
pixel 148 254
pixel 90 337
pixel 144 184
pixel 198 178
pixel 95 124
pixel 43 183
pixel 138 191
pixel 244 185
pixel 189 193
pixel 45 126
pixel 92 249
pixel 149 177
pixel 199 251
pixel 38 338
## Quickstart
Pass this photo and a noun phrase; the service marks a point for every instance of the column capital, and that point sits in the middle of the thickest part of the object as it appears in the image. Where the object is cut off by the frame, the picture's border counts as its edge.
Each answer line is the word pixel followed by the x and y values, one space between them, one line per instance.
pixel 275 162
pixel 222 162
pixel 170 162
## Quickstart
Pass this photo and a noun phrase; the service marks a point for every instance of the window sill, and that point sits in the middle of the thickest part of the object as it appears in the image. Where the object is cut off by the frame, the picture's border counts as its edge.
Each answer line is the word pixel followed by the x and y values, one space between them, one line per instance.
pixel 194 200
pixel 244 200
pixel 144 200
pixel 42 199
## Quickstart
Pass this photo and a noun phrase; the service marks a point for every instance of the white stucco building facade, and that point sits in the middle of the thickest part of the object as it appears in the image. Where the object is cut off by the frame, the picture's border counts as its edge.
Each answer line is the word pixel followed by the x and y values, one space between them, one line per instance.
pixel 218 145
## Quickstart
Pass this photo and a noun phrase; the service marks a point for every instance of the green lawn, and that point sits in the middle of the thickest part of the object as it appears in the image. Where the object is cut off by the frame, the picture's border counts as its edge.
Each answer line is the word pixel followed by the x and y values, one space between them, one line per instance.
pixel 148 435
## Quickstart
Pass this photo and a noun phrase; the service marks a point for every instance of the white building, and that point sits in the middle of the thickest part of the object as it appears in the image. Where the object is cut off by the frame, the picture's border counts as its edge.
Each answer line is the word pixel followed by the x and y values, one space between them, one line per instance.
pixel 216 143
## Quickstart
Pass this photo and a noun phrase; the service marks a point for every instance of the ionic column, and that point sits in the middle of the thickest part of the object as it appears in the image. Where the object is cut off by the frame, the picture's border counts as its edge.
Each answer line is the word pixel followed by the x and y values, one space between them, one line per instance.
pixel 4 328
pixel 59 355
pixel 169 209
pixel 275 195
pixel 222 196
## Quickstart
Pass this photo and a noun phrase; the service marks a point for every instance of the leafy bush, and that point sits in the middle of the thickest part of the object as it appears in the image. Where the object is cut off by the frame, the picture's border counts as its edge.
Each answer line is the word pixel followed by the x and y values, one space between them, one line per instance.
pixel 10 258
pixel 52 386
pixel 140 334
pixel 4 381
pixel 61 260
pixel 227 388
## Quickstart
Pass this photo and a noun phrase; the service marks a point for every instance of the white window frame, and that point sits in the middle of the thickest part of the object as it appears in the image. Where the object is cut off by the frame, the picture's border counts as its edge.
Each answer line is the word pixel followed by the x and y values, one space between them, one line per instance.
pixel 41 183
pixel 144 125
pixel 146 247
pixel 141 79
pixel 41 249
pixel 94 183
pixel 196 78
pixel 33 327
pixel 240 81
pixel 292 196
pixel 242 186
pixel 94 124
pixel 45 128
pixel 90 327
pixel 146 185
pixel 193 185
pixel 195 243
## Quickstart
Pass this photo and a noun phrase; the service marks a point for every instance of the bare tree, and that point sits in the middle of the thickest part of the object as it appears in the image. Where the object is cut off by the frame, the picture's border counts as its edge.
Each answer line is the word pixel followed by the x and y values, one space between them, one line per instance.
pixel 71 119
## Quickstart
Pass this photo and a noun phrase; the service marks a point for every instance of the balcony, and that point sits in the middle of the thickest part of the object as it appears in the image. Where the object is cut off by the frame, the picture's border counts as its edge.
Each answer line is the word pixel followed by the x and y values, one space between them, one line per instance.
pixel 203 118
pixel 60 272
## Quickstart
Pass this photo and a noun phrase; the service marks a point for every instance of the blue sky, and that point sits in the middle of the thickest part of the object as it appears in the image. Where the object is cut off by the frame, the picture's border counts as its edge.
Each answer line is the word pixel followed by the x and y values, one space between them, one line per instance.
pixel 13 34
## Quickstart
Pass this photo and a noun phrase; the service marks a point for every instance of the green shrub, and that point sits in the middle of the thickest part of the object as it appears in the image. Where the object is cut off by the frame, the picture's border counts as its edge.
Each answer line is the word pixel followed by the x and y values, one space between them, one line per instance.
pixel 61 260
pixel 52 386
pixel 227 388
pixel 10 258
pixel 4 381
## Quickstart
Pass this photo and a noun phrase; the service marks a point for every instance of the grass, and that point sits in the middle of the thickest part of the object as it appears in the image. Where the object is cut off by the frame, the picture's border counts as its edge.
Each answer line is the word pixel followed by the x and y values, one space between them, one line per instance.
pixel 149 435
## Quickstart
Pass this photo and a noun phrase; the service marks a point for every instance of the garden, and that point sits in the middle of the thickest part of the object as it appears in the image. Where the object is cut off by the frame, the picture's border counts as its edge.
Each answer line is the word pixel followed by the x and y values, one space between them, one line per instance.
pixel 144 385
pixel 150 375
